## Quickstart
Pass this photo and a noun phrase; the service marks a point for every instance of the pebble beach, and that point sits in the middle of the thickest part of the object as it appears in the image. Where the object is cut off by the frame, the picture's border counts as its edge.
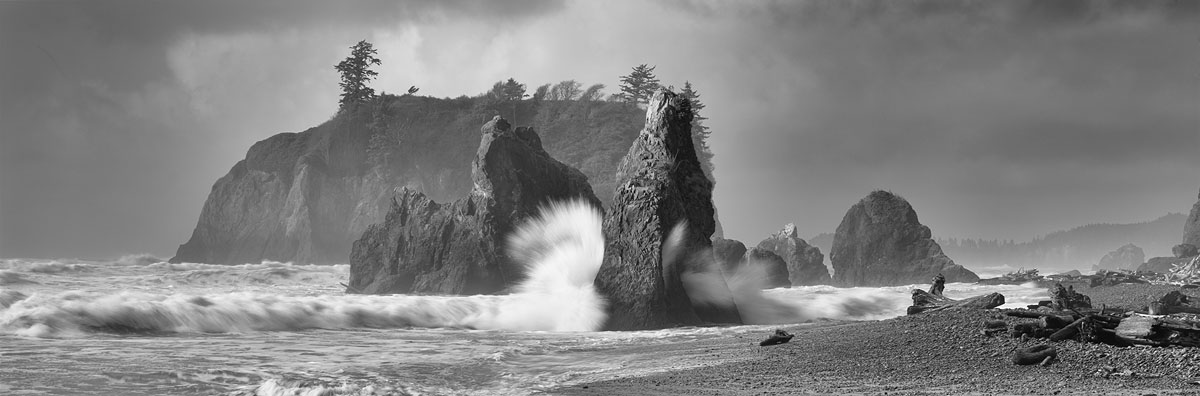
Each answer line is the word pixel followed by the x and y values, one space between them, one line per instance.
pixel 934 353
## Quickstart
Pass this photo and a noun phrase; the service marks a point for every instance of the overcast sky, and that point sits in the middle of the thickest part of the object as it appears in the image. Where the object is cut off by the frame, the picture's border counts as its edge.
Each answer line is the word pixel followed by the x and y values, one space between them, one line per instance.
pixel 995 119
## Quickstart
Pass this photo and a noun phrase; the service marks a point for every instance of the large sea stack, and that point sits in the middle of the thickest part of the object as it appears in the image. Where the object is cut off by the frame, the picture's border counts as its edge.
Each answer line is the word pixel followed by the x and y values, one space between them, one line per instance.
pixel 880 242
pixel 805 263
pixel 1127 257
pixel 306 197
pixel 660 185
pixel 1191 229
pixel 458 248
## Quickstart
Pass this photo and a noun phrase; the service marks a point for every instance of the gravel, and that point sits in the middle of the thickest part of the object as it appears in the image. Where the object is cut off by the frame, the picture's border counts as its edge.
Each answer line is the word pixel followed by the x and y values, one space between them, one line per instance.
pixel 932 353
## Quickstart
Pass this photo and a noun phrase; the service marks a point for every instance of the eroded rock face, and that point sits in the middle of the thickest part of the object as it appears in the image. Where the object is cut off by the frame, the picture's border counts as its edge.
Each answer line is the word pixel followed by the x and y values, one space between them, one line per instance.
pixel 774 267
pixel 1162 265
pixel 880 242
pixel 1191 229
pixel 423 247
pixel 728 253
pixel 805 263
pixel 659 185
pixel 1127 257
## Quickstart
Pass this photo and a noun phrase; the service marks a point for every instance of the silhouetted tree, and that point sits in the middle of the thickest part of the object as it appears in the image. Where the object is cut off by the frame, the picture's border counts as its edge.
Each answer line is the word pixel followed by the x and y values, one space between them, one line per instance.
pixel 639 85
pixel 356 72
pixel 700 132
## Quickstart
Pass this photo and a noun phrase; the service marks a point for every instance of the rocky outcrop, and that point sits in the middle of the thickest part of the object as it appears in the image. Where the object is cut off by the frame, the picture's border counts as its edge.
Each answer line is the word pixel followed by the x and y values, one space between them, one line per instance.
pixel 1185 250
pixel 880 242
pixel 1127 257
pixel 728 253
pixel 775 269
pixel 660 185
pixel 306 197
pixel 1162 265
pixel 1191 229
pixel 805 263
pixel 424 247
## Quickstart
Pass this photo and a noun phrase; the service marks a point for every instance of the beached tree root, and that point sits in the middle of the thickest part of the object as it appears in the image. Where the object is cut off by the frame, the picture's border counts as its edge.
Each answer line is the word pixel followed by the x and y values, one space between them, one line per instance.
pixel 1040 354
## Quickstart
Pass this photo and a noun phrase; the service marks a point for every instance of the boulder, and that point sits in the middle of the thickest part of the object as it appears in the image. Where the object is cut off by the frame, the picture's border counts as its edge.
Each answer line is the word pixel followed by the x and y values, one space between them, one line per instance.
pixel 1127 257
pixel 1184 250
pixel 423 247
pixel 660 187
pixel 880 242
pixel 774 267
pixel 1191 228
pixel 728 253
pixel 805 263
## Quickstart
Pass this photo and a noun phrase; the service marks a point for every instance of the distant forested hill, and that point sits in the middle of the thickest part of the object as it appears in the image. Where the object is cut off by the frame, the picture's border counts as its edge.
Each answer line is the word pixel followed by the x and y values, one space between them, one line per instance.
pixel 1077 248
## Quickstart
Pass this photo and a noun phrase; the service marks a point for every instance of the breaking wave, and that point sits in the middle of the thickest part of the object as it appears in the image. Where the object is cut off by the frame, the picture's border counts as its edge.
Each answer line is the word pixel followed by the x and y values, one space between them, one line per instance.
pixel 562 250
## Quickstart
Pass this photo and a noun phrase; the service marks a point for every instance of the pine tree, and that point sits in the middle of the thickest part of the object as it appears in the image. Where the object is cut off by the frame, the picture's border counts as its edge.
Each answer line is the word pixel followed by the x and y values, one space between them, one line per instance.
pixel 356 72
pixel 639 85
pixel 700 132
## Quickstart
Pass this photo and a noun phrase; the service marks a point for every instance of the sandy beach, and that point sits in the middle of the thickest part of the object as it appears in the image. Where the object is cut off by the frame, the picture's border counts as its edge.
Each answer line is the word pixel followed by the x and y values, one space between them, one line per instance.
pixel 935 353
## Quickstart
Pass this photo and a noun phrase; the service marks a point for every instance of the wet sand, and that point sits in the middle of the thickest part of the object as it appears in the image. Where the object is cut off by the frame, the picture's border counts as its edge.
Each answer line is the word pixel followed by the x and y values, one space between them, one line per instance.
pixel 935 353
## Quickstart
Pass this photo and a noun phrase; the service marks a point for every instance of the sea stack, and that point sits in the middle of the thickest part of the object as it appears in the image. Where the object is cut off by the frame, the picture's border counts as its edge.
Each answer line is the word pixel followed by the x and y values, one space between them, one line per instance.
pixel 1191 229
pixel 660 186
pixel 775 269
pixel 805 263
pixel 880 242
pixel 1128 257
pixel 426 247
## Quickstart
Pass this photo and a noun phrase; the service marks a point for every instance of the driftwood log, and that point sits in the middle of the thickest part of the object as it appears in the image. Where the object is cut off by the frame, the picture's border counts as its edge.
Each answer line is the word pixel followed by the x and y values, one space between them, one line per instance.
pixel 1170 324
pixel 925 302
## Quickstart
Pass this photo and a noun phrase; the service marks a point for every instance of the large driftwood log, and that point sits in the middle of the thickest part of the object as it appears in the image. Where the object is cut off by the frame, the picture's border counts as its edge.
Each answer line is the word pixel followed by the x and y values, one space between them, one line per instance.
pixel 1172 303
pixel 925 302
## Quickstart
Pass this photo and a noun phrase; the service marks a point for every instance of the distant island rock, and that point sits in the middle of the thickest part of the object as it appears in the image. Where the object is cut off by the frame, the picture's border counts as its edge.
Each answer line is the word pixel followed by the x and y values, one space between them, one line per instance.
pixel 660 186
pixel 775 269
pixel 880 242
pixel 1127 257
pixel 805 263
pixel 306 197
pixel 423 247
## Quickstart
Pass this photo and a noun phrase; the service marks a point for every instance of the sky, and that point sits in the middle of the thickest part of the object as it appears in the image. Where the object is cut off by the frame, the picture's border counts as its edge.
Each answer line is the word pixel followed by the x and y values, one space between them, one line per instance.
pixel 995 119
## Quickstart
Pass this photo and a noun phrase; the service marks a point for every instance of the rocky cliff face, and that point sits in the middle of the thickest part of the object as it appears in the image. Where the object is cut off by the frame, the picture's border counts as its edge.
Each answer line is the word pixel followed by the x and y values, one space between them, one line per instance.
pixel 305 197
pixel 805 263
pixel 425 247
pixel 1191 229
pixel 880 242
pixel 659 185
pixel 775 269
pixel 1127 257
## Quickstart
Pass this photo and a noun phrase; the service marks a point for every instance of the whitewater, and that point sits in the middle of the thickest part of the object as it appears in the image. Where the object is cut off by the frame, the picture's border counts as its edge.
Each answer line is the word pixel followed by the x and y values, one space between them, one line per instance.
pixel 141 326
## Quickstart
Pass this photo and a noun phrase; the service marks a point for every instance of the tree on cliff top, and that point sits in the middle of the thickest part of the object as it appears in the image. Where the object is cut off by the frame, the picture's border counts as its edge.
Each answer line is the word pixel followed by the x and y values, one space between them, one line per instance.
pixel 356 72
pixel 700 132
pixel 639 85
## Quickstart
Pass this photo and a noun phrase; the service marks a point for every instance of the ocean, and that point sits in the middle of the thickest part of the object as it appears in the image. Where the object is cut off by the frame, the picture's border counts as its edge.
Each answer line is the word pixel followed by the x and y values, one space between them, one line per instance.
pixel 141 326
pixel 138 326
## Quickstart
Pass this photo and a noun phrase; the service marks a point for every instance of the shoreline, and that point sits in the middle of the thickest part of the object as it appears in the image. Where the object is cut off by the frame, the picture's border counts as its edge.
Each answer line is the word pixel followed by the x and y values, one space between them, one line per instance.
pixel 932 353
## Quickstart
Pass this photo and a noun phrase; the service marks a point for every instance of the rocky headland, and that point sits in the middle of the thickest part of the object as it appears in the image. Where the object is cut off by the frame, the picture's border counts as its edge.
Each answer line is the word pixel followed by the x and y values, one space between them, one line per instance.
pixel 1191 228
pixel 306 197
pixel 880 242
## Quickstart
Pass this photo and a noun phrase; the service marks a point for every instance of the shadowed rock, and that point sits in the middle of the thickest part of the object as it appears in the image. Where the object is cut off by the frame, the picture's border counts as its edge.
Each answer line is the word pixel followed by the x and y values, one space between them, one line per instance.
pixel 774 267
pixel 457 248
pixel 728 253
pixel 880 242
pixel 660 185
pixel 805 263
